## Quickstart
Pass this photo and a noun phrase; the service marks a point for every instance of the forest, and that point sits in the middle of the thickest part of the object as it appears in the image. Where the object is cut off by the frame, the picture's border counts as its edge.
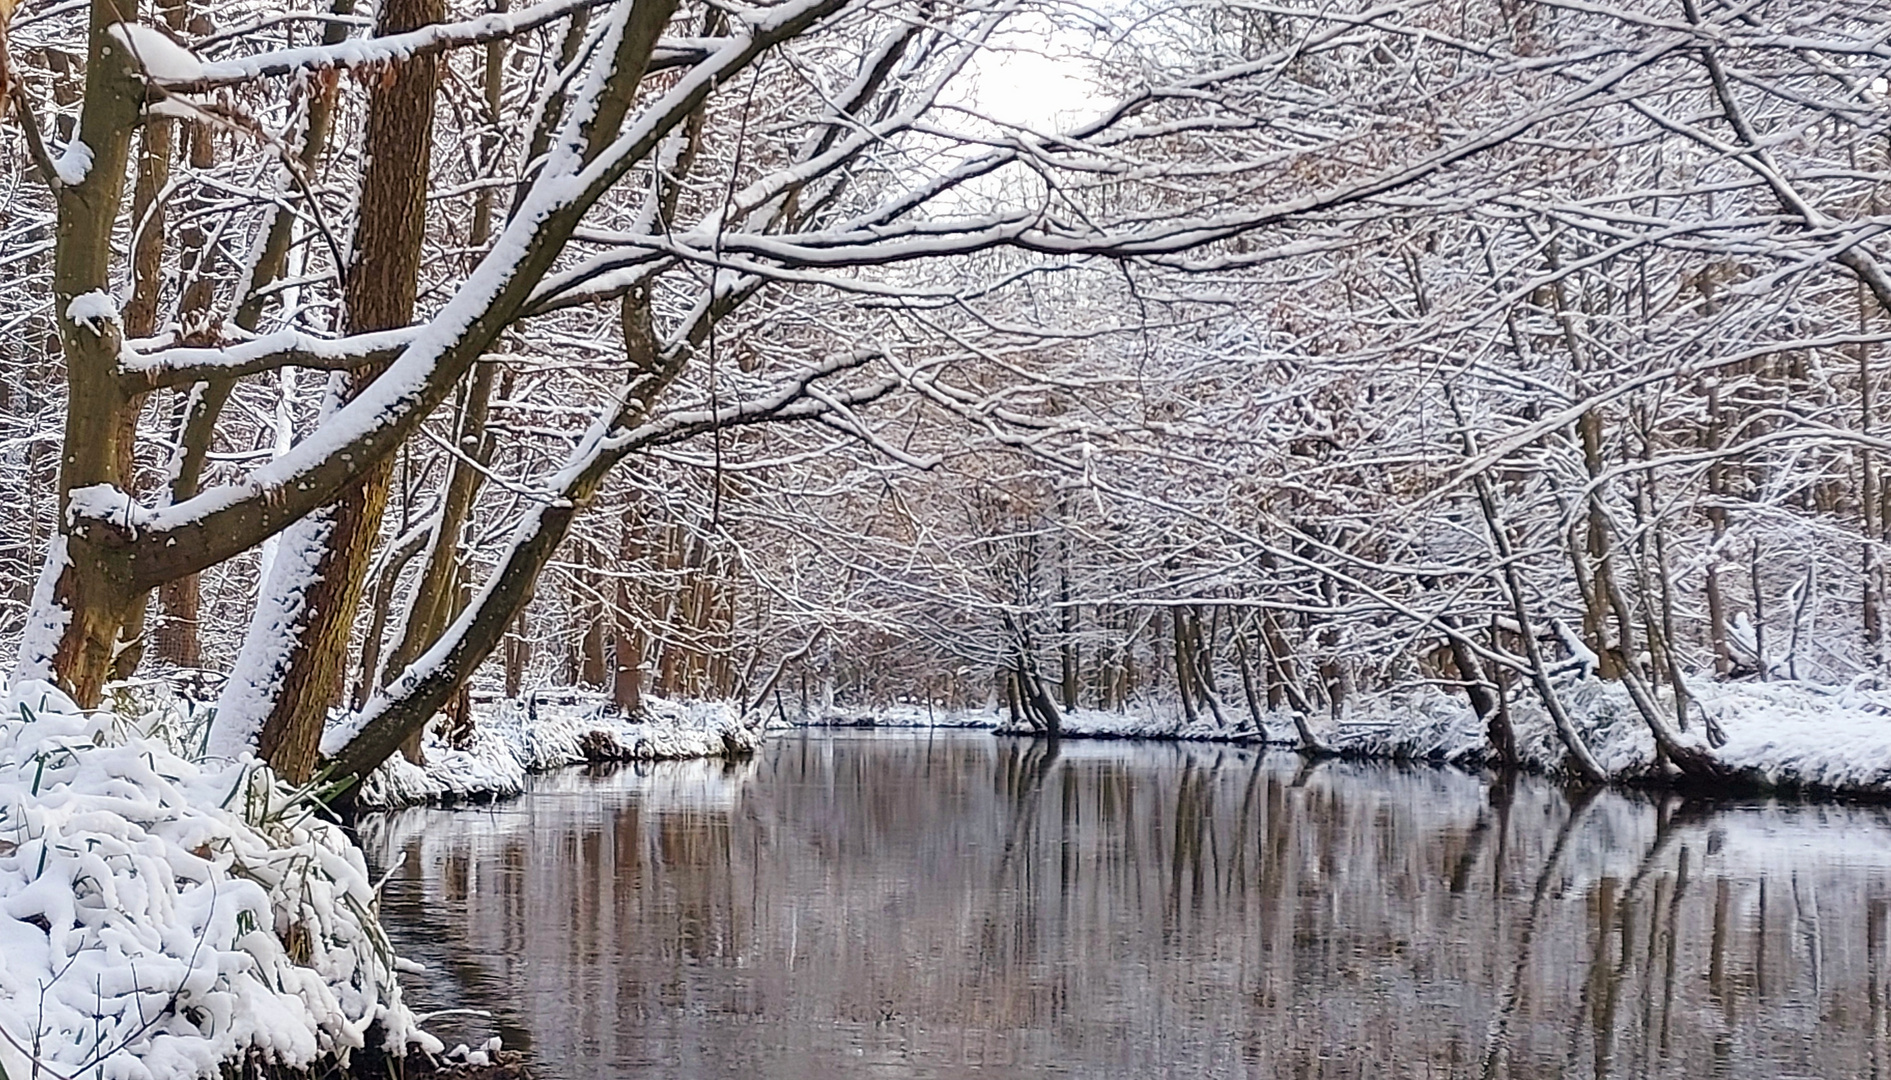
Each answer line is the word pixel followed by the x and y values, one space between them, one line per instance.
pixel 1491 381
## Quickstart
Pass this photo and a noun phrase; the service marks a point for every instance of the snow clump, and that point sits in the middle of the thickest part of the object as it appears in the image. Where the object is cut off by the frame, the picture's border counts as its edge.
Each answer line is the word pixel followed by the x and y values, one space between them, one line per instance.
pixel 160 57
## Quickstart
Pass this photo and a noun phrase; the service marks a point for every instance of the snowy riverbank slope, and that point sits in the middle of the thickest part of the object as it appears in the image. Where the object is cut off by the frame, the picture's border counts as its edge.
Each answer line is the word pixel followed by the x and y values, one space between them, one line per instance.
pixel 1785 734
pixel 160 918
pixel 897 716
pixel 538 732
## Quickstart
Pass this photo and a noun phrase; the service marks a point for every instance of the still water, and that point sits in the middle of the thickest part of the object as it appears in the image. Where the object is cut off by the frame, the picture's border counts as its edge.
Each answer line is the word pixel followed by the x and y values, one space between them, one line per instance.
pixel 957 905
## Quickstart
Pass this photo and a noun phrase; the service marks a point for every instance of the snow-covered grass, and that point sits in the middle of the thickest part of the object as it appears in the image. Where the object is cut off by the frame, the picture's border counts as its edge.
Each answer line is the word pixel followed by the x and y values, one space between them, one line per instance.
pixel 1782 734
pixel 553 729
pixel 897 716
pixel 167 919
pixel 1800 735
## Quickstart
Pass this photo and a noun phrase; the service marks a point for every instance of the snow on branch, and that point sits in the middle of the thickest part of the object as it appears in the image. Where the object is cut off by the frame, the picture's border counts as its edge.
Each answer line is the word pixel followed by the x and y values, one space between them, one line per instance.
pixel 589 161
pixel 440 37
pixel 183 365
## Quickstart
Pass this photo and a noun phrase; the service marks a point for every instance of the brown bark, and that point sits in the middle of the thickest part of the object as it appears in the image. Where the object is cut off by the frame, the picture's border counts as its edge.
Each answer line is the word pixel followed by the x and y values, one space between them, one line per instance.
pixel 147 217
pixel 1008 687
pixel 380 602
pixel 1279 667
pixel 196 258
pixel 379 294
pixel 433 604
pixel 1579 756
pixel 1482 693
pixel 412 701
pixel 1184 667
pixel 1717 518
pixel 95 585
pixel 143 559
pixel 1201 658
pixel 1255 714
pixel 591 669
pixel 627 655
pixel 1871 569
pixel 1601 573
pixel 518 657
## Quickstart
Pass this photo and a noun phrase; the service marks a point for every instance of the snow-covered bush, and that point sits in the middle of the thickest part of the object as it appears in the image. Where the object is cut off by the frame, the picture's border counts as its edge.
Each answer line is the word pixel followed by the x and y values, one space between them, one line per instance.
pixel 161 918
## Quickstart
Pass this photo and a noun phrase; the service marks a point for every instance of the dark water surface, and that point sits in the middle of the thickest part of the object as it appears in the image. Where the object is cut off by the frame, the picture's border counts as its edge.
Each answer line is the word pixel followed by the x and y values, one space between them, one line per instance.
pixel 956 905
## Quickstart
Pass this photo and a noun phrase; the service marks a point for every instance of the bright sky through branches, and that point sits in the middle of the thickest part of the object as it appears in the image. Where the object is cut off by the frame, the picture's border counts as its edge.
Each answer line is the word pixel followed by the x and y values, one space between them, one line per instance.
pixel 1036 76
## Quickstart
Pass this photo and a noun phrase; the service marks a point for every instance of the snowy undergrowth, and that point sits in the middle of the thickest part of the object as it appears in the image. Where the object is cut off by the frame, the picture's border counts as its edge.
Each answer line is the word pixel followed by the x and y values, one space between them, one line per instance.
pixel 896 716
pixel 162 919
pixel 1785 734
pixel 532 734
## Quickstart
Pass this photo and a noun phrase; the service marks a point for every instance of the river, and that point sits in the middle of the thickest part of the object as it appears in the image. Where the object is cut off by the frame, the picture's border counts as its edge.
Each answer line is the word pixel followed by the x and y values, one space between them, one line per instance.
pixel 946 905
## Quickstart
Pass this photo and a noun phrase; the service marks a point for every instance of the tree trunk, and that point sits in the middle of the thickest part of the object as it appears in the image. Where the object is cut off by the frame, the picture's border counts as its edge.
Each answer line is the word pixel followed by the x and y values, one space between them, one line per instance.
pixel 1871 570
pixel 86 591
pixel 379 292
pixel 1255 714
pixel 629 640
pixel 1184 668
pixel 433 597
pixel 518 657
pixel 1201 660
pixel 1579 756
pixel 1482 693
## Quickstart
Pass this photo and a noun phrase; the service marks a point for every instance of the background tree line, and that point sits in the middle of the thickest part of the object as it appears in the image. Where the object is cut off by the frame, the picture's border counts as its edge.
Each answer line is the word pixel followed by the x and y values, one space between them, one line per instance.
pixel 363 359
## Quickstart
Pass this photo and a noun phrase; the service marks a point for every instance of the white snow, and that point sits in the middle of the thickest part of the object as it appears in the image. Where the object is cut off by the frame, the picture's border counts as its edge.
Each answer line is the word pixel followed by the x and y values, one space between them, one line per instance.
pixel 165 919
pixel 1783 734
pixel 263 662
pixel 532 734
pixel 889 716
pixel 238 356
pixel 428 366
pixel 92 310
pixel 358 51
pixel 160 57
pixel 73 163
pixel 46 619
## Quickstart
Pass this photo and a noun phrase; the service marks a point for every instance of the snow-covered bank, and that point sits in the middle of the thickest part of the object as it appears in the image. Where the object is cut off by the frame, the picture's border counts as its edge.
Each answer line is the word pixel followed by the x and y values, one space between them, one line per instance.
pixel 897 716
pixel 166 917
pixel 161 918
pixel 1779 734
pixel 550 730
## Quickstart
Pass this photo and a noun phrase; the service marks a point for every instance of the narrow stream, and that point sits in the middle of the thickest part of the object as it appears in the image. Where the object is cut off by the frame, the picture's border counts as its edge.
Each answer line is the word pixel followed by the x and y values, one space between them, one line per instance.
pixel 955 905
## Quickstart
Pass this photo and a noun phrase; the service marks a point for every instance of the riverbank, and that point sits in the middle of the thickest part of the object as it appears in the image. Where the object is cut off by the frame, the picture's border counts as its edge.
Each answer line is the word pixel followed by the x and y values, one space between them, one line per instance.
pixel 551 729
pixel 163 916
pixel 1790 736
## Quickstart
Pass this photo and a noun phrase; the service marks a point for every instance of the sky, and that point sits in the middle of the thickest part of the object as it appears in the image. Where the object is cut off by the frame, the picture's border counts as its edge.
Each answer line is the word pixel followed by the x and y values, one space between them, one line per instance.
pixel 1035 76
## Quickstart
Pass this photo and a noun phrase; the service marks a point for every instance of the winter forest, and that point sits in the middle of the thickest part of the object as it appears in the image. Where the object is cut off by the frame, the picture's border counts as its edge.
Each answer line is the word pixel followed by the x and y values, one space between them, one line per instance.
pixel 403 397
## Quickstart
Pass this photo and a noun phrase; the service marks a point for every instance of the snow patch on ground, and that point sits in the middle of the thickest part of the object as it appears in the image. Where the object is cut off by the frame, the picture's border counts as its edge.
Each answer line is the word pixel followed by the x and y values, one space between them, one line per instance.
pixel 1785 734
pixel 161 918
pixel 547 731
pixel 894 716
pixel 1799 735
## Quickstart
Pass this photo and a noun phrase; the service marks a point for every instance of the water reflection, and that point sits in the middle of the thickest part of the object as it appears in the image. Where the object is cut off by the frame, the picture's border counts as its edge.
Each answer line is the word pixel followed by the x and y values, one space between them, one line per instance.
pixel 956 905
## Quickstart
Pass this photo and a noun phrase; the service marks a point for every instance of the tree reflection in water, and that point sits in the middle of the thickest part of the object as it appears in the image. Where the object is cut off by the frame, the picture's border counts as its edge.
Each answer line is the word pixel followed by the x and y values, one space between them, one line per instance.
pixel 951 905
